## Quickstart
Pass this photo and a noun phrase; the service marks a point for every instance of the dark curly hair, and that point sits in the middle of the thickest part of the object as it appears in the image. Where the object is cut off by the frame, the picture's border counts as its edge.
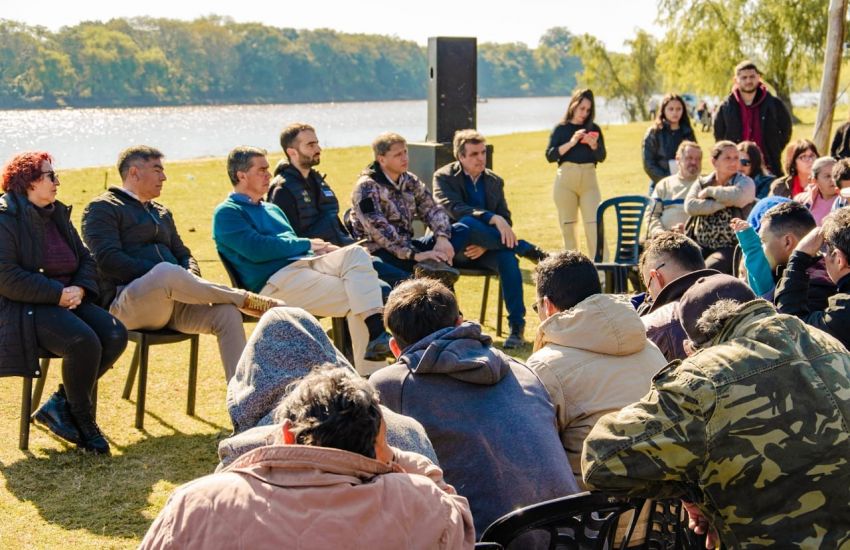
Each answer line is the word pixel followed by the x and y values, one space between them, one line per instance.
pixel 22 170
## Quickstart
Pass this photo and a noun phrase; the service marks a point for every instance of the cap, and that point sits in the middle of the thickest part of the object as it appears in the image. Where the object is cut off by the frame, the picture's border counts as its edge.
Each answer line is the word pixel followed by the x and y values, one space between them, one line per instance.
pixel 704 293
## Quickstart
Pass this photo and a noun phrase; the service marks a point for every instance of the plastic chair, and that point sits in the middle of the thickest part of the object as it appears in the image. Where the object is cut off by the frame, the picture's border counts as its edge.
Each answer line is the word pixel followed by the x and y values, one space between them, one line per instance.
pixel 585 520
pixel 339 328
pixel 630 211
pixel 486 273
pixel 144 339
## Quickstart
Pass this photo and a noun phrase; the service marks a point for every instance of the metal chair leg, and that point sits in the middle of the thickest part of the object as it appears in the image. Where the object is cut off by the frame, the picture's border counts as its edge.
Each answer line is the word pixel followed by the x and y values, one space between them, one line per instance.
pixel 499 309
pixel 193 376
pixel 484 296
pixel 39 384
pixel 142 384
pixel 131 374
pixel 26 411
pixel 94 401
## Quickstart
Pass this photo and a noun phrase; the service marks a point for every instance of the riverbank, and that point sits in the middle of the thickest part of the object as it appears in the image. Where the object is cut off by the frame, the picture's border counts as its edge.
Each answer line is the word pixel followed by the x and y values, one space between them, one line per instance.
pixel 53 496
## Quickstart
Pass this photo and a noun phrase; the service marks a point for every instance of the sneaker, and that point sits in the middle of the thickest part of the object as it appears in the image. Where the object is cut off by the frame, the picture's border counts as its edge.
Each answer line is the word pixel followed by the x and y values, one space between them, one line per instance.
pixel 56 417
pixel 516 338
pixel 434 269
pixel 535 254
pixel 379 348
pixel 255 304
pixel 92 439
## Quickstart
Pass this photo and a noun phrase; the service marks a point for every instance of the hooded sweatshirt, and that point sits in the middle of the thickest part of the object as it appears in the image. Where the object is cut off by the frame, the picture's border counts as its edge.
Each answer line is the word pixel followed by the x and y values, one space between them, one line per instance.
pixel 287 343
pixel 593 359
pixel 488 416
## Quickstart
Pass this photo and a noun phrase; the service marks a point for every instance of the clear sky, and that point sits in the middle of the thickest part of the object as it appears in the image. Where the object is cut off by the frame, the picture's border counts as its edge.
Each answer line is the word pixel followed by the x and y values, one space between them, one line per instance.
pixel 613 21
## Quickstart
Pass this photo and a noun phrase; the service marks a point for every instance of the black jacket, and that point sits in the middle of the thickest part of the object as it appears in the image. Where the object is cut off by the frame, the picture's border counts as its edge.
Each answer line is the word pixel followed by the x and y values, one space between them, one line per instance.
pixel 841 142
pixel 310 204
pixel 775 126
pixel 22 282
pixel 128 238
pixel 659 148
pixel 792 297
pixel 450 193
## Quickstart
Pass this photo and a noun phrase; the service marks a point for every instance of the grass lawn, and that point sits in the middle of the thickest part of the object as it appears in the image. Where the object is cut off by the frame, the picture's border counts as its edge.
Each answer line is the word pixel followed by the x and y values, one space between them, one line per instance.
pixel 53 496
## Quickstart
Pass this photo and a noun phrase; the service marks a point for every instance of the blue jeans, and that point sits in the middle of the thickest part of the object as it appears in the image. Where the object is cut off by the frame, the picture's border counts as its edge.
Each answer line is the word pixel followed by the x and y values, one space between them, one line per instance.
pixel 501 260
pixel 389 275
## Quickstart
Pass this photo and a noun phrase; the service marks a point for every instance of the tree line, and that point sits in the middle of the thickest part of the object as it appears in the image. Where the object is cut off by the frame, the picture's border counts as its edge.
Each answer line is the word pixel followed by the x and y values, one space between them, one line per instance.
pixel 214 60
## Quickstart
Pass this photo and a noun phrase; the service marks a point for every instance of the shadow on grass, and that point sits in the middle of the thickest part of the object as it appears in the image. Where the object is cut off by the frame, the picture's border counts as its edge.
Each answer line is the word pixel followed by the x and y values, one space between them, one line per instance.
pixel 107 496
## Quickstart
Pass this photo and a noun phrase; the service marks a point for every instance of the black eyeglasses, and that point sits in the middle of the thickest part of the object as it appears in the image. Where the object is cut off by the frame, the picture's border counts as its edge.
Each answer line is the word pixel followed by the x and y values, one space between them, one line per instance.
pixel 535 308
pixel 51 175
pixel 745 162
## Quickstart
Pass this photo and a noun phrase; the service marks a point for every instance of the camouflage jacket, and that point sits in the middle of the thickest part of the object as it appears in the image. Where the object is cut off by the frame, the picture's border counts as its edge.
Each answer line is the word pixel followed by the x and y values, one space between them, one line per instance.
pixel 753 429
pixel 383 212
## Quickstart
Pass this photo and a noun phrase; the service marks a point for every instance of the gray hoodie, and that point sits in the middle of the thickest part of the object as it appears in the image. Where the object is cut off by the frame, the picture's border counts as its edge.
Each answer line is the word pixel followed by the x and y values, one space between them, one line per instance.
pixel 489 417
pixel 286 344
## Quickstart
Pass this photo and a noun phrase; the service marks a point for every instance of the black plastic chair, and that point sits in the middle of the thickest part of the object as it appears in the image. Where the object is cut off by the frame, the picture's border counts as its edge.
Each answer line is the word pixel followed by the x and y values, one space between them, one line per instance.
pixel 339 328
pixel 629 210
pixel 143 340
pixel 486 273
pixel 583 521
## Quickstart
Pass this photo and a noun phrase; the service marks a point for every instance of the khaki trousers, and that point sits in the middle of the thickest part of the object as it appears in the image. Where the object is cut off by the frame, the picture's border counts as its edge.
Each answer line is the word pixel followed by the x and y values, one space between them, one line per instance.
pixel 340 283
pixel 576 190
pixel 170 296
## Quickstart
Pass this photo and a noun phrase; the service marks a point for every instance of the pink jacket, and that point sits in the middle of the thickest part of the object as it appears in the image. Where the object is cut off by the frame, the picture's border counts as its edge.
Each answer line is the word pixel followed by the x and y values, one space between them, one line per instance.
pixel 295 496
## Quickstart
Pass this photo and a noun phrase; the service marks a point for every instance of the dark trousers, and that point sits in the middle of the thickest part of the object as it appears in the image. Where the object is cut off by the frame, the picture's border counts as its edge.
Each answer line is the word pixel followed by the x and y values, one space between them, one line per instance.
pixel 459 240
pixel 88 339
pixel 500 260
pixel 719 258
pixel 389 275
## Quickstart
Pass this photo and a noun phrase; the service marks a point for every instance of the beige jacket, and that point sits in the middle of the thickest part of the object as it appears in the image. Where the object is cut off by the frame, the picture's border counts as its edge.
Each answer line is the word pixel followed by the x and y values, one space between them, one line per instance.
pixel 295 496
pixel 593 359
pixel 662 217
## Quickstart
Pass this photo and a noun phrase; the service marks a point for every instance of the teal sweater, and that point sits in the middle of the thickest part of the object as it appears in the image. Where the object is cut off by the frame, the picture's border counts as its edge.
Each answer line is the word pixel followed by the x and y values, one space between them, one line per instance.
pixel 759 274
pixel 256 238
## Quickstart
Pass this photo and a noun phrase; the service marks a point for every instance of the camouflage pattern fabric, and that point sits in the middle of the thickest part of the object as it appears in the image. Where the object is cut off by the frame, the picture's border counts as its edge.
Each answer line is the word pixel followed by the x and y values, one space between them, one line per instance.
pixel 383 212
pixel 753 429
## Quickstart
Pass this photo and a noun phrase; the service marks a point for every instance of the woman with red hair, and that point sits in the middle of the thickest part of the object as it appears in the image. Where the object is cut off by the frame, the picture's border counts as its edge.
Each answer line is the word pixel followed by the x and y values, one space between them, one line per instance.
pixel 48 291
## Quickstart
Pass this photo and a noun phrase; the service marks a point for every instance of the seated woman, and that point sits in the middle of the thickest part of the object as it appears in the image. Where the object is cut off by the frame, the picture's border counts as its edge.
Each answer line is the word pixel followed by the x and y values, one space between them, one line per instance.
pixel 48 288
pixel 713 202
pixel 821 193
pixel 286 345
pixel 752 166
pixel 799 157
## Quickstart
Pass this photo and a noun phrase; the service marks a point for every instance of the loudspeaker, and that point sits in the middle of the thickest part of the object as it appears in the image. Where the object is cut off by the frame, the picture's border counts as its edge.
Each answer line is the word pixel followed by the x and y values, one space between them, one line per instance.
pixel 452 86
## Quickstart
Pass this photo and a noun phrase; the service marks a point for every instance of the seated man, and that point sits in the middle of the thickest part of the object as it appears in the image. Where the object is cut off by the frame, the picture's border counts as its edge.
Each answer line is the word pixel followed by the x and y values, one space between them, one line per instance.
pixel 669 265
pixel 667 211
pixel 475 197
pixel 149 278
pixel 308 201
pixel 331 481
pixel 752 429
pixel 487 415
pixel 766 255
pixel 255 237
pixel 792 292
pixel 591 350
pixel 385 201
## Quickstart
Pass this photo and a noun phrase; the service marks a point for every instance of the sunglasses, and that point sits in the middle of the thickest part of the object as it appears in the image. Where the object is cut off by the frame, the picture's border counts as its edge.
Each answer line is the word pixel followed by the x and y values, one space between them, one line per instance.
pixel 51 175
pixel 745 162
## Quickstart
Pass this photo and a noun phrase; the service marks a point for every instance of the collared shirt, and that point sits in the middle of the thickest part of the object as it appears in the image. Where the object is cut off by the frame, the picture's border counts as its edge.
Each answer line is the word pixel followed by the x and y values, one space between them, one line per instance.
pixel 476 195
pixel 135 196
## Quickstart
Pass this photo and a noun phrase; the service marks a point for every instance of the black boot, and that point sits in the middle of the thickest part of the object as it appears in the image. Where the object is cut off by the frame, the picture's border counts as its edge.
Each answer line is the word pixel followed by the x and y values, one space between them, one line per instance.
pixel 516 338
pixel 92 438
pixel 55 414
pixel 379 348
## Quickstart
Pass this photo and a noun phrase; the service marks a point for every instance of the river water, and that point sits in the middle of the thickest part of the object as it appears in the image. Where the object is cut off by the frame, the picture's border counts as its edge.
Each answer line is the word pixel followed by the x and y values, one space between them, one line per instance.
pixel 93 137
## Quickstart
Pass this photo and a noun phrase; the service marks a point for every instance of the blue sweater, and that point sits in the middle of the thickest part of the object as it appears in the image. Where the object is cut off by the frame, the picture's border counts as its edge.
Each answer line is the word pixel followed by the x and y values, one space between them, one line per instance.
pixel 256 238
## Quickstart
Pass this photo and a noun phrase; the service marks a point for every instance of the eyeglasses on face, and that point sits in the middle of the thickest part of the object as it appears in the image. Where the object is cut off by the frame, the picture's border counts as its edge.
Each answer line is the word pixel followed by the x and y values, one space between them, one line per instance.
pixel 51 175
pixel 745 162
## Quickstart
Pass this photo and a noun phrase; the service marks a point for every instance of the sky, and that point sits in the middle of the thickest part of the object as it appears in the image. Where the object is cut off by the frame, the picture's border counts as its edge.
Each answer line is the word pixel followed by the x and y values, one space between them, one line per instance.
pixel 612 21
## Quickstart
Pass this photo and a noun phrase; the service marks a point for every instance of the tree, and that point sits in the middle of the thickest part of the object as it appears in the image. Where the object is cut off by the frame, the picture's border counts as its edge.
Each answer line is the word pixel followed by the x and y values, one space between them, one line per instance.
pixel 781 37
pixel 628 77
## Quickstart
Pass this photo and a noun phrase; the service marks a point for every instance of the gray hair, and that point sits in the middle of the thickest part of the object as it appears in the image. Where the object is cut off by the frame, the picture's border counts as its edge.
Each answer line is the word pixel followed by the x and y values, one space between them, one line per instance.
pixel 239 160
pixel 383 143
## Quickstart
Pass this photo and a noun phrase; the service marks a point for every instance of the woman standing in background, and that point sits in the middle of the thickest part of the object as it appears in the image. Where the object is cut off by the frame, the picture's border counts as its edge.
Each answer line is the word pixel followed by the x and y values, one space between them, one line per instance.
pixel 576 144
pixel 671 127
